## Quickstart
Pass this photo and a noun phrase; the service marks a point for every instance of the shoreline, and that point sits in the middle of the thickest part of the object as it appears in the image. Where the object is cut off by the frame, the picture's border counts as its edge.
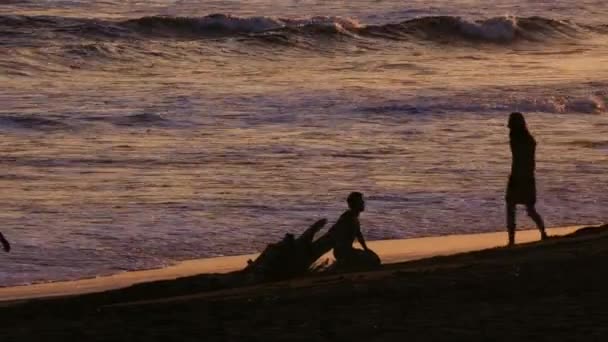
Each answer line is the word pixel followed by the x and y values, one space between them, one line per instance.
pixel 390 251
pixel 552 290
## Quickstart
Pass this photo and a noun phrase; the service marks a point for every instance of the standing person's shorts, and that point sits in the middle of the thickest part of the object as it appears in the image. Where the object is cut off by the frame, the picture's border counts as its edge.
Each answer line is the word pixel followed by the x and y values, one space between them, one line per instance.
pixel 521 190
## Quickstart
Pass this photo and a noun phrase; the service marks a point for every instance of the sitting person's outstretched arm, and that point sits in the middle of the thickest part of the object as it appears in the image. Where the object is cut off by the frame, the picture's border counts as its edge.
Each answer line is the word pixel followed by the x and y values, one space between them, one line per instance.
pixel 5 244
pixel 361 239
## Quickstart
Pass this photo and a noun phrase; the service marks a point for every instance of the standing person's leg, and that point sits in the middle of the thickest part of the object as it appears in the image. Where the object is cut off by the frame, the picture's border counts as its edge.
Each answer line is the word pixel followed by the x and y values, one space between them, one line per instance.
pixel 511 222
pixel 535 216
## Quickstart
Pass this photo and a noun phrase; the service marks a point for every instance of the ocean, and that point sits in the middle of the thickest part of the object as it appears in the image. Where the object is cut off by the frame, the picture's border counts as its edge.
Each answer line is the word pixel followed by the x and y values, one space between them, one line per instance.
pixel 134 134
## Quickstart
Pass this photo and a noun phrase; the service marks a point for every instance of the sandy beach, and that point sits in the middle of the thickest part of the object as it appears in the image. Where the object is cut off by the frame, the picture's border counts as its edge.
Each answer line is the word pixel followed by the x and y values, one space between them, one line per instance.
pixel 541 291
pixel 391 251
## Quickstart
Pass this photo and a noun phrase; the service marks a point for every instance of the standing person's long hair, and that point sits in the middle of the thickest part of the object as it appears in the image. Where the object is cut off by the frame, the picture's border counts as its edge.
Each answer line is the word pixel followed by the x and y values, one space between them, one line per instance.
pixel 518 128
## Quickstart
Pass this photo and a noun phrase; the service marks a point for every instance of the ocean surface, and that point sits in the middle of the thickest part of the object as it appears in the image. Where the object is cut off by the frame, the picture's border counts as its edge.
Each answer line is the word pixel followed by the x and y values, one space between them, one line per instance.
pixel 134 134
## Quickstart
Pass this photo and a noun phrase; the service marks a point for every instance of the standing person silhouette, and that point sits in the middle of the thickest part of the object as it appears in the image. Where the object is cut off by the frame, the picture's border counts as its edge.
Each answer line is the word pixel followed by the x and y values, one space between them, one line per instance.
pixel 344 232
pixel 5 244
pixel 521 188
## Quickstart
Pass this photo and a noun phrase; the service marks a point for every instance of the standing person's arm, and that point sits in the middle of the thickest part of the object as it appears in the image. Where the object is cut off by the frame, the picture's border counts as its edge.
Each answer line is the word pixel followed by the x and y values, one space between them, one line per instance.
pixel 515 147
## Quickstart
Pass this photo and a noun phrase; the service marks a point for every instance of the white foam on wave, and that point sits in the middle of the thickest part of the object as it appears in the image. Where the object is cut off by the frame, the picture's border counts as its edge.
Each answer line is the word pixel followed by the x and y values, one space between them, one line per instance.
pixel 261 23
pixel 592 104
pixel 348 24
pixel 562 104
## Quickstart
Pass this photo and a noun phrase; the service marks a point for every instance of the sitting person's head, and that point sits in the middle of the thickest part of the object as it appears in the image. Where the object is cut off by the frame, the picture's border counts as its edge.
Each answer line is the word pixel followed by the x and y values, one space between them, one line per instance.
pixel 355 201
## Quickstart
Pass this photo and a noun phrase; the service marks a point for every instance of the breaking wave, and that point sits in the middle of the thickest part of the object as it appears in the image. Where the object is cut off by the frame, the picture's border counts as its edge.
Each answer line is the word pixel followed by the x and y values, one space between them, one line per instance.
pixel 593 104
pixel 555 104
pixel 495 30
pixel 222 25
pixel 501 30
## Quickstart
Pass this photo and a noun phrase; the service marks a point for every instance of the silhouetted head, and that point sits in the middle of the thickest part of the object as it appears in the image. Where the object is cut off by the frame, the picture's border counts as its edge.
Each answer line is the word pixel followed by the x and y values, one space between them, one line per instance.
pixel 517 121
pixel 355 201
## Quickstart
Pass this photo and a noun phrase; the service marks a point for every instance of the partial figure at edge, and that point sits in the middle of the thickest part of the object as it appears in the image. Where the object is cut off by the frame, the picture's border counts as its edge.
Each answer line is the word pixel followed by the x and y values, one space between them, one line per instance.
pixel 343 234
pixel 521 188
pixel 5 244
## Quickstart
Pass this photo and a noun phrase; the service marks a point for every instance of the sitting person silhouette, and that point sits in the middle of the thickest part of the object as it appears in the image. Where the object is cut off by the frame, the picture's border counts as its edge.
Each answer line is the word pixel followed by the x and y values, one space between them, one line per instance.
pixel 521 188
pixel 344 232
pixel 5 244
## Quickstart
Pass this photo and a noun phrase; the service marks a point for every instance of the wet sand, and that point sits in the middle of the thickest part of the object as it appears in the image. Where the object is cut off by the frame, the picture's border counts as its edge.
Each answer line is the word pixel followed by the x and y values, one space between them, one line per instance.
pixel 391 251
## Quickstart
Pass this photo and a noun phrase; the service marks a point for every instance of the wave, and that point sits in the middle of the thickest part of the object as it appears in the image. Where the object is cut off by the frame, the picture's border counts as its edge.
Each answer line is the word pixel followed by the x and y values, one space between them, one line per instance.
pixel 562 104
pixel 138 120
pixel 495 30
pixel 37 122
pixel 134 120
pixel 45 25
pixel 599 145
pixel 502 30
pixel 592 104
pixel 221 25
pixel 31 122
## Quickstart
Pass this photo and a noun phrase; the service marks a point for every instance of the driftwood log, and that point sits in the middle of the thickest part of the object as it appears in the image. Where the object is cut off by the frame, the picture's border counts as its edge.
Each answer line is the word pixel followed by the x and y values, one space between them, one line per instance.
pixel 291 256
